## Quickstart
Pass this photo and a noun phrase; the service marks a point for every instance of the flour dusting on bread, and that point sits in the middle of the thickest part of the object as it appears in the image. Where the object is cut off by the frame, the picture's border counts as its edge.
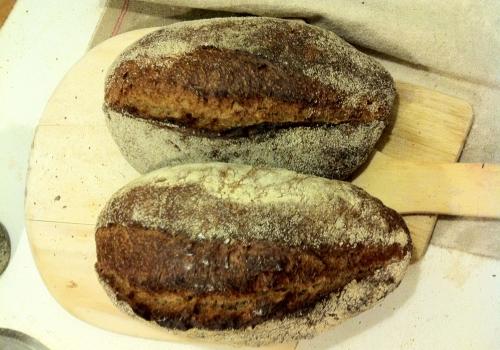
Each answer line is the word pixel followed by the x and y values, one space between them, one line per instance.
pixel 272 204
pixel 328 151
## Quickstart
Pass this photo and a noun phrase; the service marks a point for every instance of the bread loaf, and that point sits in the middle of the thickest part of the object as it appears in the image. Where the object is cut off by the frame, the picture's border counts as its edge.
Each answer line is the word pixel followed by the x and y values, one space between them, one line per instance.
pixel 247 90
pixel 247 255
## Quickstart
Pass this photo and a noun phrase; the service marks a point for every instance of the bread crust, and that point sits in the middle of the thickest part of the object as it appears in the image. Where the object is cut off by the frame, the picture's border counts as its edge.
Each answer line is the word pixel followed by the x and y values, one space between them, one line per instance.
pixel 228 77
pixel 210 248
pixel 216 89
pixel 183 283
pixel 328 151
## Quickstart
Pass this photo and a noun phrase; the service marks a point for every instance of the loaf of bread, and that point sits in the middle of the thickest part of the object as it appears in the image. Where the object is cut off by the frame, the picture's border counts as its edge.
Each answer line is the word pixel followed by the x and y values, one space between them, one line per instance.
pixel 250 90
pixel 247 255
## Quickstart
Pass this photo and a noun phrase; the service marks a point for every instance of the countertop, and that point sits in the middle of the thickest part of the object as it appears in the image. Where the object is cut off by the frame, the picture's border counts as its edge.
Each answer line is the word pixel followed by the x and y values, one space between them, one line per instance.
pixel 449 300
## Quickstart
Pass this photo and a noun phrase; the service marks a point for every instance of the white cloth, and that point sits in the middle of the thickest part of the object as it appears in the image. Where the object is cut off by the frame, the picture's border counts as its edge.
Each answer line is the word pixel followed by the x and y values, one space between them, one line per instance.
pixel 459 38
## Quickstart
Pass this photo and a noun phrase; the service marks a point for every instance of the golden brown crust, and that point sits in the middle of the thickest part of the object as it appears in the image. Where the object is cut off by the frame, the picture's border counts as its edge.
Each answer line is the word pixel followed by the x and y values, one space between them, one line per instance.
pixel 219 89
pixel 234 73
pixel 183 283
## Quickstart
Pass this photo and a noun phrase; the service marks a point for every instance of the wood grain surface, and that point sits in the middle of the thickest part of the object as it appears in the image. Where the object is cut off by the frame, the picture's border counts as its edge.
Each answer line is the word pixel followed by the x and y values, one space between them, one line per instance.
pixel 75 167
pixel 5 7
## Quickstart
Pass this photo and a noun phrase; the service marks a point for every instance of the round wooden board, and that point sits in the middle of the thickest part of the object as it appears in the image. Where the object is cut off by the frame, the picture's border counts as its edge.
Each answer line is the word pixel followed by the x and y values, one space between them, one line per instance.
pixel 75 167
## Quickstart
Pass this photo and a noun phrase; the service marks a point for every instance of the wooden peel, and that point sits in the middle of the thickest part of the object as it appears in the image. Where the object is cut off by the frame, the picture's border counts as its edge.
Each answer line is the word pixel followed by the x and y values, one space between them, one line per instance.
pixel 460 189
pixel 75 167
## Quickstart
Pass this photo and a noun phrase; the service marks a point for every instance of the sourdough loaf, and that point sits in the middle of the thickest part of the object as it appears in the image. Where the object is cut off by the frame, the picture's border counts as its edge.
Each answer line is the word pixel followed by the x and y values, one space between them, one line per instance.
pixel 248 90
pixel 247 255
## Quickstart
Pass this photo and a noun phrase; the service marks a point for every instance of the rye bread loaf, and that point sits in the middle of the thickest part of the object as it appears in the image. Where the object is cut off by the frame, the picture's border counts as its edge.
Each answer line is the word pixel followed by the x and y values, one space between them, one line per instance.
pixel 251 90
pixel 247 255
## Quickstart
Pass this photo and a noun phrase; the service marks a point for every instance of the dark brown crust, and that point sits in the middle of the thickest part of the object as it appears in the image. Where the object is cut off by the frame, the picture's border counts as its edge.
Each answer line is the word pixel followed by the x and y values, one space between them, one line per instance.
pixel 183 283
pixel 217 88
